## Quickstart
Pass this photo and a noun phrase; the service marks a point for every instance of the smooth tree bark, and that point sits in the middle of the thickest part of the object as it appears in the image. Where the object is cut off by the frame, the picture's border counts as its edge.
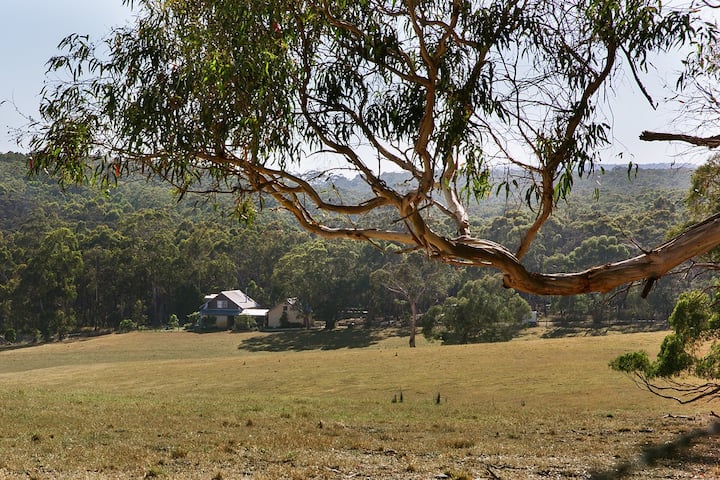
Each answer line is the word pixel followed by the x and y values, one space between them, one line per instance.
pixel 237 97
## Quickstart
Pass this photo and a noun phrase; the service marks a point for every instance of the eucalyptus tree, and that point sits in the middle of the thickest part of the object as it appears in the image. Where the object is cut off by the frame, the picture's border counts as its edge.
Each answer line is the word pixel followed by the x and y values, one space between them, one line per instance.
pixel 687 367
pixel 46 291
pixel 148 263
pixel 482 311
pixel 413 278
pixel 7 274
pixel 238 96
pixel 104 280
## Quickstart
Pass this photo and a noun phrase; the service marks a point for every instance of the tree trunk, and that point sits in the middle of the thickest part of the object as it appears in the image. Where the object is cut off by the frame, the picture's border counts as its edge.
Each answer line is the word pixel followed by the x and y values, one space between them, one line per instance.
pixel 413 323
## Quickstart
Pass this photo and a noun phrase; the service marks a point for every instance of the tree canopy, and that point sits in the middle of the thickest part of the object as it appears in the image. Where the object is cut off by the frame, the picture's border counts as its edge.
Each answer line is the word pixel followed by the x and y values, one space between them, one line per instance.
pixel 238 96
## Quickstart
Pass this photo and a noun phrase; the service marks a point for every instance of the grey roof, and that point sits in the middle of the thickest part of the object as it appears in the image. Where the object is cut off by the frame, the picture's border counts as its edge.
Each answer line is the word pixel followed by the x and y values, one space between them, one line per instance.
pixel 240 298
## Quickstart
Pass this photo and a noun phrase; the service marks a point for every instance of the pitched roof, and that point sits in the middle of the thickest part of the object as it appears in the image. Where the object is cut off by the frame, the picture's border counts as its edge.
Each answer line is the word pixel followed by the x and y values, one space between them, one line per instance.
pixel 240 298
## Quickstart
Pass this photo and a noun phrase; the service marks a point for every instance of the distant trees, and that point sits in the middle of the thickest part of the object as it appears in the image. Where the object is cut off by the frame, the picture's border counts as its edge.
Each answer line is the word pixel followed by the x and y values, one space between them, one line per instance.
pixel 47 286
pixel 482 311
pixel 146 256
pixel 324 276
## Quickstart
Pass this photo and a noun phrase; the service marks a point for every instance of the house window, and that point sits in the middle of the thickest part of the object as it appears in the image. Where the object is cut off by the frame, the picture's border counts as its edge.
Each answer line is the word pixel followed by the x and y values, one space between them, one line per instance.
pixel 222 304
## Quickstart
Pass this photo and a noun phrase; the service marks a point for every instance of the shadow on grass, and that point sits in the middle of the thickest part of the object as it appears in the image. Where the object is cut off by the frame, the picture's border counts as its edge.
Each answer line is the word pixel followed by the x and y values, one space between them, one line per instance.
pixel 313 340
pixel 586 329
pixel 672 452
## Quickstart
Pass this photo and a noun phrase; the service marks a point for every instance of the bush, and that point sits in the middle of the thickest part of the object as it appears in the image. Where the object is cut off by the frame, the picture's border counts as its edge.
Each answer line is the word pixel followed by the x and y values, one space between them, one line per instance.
pixel 127 325
pixel 208 323
pixel 10 335
pixel 244 323
pixel 174 322
pixel 284 322
pixel 193 320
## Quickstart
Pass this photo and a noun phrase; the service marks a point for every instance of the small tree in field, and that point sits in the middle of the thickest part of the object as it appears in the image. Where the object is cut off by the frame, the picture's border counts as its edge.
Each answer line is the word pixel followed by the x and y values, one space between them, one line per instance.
pixel 413 279
pixel 482 311
pixel 691 351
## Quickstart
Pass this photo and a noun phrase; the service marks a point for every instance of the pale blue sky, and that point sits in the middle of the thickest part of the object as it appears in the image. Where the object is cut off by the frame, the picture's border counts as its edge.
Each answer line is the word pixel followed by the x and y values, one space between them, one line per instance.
pixel 32 29
pixel 30 32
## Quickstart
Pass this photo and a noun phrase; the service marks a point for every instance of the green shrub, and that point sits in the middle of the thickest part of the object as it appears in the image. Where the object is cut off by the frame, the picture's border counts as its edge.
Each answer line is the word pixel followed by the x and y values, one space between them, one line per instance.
pixel 127 325
pixel 244 323
pixel 284 322
pixel 10 335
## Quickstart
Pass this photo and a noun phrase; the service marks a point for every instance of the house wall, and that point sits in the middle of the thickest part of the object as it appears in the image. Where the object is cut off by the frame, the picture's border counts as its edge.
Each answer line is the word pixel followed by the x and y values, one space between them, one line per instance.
pixel 275 314
pixel 225 321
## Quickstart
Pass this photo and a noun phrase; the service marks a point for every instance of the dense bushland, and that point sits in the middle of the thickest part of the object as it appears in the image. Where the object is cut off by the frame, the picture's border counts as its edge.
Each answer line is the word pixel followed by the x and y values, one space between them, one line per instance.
pixel 77 258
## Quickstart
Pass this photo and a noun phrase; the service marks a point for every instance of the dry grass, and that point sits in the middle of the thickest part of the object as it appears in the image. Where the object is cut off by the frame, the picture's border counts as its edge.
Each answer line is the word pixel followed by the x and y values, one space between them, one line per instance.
pixel 265 406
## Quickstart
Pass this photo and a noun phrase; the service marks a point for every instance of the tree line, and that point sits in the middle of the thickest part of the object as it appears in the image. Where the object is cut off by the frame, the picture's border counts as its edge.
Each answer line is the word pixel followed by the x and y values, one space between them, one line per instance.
pixel 77 259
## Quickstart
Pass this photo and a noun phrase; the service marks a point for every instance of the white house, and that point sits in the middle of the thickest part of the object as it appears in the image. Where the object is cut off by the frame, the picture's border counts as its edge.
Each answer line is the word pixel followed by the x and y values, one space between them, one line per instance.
pixel 223 307
pixel 293 314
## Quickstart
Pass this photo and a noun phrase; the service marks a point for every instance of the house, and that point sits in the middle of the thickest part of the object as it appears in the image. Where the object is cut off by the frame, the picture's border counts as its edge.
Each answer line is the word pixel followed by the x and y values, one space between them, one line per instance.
pixel 221 309
pixel 289 314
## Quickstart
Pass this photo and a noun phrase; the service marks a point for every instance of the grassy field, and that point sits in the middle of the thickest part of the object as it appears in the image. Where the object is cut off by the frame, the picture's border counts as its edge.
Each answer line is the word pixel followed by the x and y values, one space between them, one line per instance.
pixel 327 405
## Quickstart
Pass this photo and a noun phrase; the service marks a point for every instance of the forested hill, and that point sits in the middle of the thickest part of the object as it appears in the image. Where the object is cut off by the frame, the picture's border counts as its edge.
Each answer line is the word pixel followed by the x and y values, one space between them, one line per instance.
pixel 614 183
pixel 136 252
pixel 20 196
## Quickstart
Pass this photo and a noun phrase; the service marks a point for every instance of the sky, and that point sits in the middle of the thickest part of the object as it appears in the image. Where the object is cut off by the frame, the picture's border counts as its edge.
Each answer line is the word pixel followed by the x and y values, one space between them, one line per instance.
pixel 30 33
pixel 33 28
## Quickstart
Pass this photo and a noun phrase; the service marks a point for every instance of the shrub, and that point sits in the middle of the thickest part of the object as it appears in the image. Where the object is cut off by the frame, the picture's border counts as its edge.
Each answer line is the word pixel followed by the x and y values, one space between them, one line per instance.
pixel 10 335
pixel 245 323
pixel 193 320
pixel 284 322
pixel 208 323
pixel 127 325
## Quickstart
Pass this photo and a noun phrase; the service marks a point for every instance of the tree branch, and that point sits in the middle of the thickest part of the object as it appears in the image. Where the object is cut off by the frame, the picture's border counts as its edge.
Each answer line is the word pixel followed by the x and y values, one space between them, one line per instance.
pixel 709 142
pixel 697 240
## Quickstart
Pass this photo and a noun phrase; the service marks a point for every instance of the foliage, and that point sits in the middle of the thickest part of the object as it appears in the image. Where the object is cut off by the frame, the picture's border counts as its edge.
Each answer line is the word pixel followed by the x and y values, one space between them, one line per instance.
pixel 414 279
pixel 206 252
pixel 10 335
pixel 325 277
pixel 173 321
pixel 47 284
pixel 482 311
pixel 194 318
pixel 127 325
pixel 692 349
pixel 244 323
pixel 208 323
pixel 233 96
